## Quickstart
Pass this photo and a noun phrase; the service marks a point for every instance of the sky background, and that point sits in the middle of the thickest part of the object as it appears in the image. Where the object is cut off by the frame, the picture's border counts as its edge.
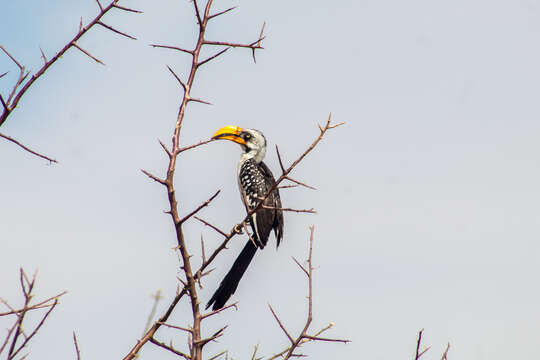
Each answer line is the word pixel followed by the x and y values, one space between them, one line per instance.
pixel 427 198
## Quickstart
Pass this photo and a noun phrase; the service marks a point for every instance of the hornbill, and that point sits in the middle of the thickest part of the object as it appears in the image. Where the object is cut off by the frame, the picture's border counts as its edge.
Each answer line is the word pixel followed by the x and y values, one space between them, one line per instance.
pixel 255 180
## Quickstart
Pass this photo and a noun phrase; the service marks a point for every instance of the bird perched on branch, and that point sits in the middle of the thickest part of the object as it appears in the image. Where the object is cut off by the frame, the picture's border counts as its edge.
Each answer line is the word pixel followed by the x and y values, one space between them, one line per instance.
pixel 255 181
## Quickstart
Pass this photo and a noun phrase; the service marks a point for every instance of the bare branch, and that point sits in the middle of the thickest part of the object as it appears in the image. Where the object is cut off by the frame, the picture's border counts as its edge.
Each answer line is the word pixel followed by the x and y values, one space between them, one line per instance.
pixel 127 9
pixel 2 75
pixel 172 48
pixel 204 204
pixel 169 348
pixel 304 336
pixel 99 4
pixel 189 147
pixel 177 327
pixel 279 158
pixel 12 58
pixel 221 13
pixel 212 57
pixel 6 109
pixel 116 31
pixel 43 56
pixel 300 183
pixel 216 335
pixel 76 346
pixel 198 15
pixel 445 354
pixel 235 45
pixel 301 266
pixel 317 338
pixel 28 149
pixel 218 355
pixel 17 93
pixel 258 42
pixel 281 324
pixel 155 178
pixel 157 297
pixel 165 149
pixel 88 54
pixel 12 354
pixel 211 313
pixel 200 101
pixel 308 211
pixel 177 78
pixel 418 343
pixel 40 305
pixel 203 255
pixel 212 226
pixel 8 336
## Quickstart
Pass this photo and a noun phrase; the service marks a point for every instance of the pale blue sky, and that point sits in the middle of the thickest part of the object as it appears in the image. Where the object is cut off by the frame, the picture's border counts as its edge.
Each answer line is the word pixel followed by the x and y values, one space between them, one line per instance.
pixel 428 197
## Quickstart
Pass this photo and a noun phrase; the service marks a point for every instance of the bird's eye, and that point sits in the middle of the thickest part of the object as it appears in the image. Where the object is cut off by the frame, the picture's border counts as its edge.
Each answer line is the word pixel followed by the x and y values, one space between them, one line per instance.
pixel 247 136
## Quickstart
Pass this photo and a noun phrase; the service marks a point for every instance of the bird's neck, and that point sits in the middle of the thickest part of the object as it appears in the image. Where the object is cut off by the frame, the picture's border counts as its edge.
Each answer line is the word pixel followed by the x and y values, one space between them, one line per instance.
pixel 257 155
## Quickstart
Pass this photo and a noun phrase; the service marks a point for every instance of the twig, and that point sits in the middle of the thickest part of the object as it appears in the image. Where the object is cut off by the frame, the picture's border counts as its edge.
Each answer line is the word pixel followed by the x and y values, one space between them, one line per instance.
pixel 309 211
pixel 172 48
pixel 17 93
pixel 50 160
pixel 189 147
pixel 212 226
pixel 212 57
pixel 214 312
pixel 445 354
pixel 300 183
pixel 76 346
pixel 88 54
pixel 301 266
pixel 127 9
pixel 11 353
pixel 204 204
pixel 177 78
pixel 177 327
pixel 116 31
pixel 418 343
pixel 218 355
pixel 258 43
pixel 221 13
pixel 216 335
pixel 279 158
pixel 157 297
pixel 43 56
pixel 155 178
pixel 304 336
pixel 170 348
pixel 281 324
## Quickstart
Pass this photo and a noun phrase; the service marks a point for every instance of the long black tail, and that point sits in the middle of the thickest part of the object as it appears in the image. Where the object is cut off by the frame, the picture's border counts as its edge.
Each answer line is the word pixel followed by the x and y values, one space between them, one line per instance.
pixel 230 282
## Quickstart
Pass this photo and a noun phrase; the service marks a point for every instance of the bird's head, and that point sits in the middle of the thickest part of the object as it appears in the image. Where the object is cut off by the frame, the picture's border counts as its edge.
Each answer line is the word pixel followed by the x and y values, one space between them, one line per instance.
pixel 252 141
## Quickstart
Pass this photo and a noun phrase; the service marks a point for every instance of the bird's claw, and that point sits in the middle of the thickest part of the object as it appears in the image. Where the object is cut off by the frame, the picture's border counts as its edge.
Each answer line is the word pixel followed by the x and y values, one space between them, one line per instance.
pixel 238 229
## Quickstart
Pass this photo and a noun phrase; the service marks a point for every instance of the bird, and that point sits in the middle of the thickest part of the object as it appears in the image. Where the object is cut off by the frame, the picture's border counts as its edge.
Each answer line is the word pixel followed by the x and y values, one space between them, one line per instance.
pixel 254 180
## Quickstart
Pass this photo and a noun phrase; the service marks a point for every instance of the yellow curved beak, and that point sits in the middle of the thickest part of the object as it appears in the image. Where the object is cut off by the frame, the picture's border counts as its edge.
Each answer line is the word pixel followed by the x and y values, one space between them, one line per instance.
pixel 229 132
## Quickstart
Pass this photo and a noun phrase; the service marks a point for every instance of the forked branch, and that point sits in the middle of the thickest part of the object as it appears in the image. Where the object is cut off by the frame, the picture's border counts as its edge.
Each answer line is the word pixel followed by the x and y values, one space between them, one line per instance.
pixel 21 86
pixel 17 337
pixel 304 336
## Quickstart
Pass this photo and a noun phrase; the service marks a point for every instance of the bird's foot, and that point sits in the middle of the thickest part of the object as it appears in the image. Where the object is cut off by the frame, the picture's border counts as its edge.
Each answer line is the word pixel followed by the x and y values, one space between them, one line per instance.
pixel 238 229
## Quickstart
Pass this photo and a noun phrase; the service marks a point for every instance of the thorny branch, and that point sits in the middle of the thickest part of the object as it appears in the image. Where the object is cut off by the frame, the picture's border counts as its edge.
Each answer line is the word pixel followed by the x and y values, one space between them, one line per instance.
pixel 8 138
pixel 303 337
pixel 21 87
pixel 17 338
pixel 196 343
pixel 227 237
pixel 419 353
